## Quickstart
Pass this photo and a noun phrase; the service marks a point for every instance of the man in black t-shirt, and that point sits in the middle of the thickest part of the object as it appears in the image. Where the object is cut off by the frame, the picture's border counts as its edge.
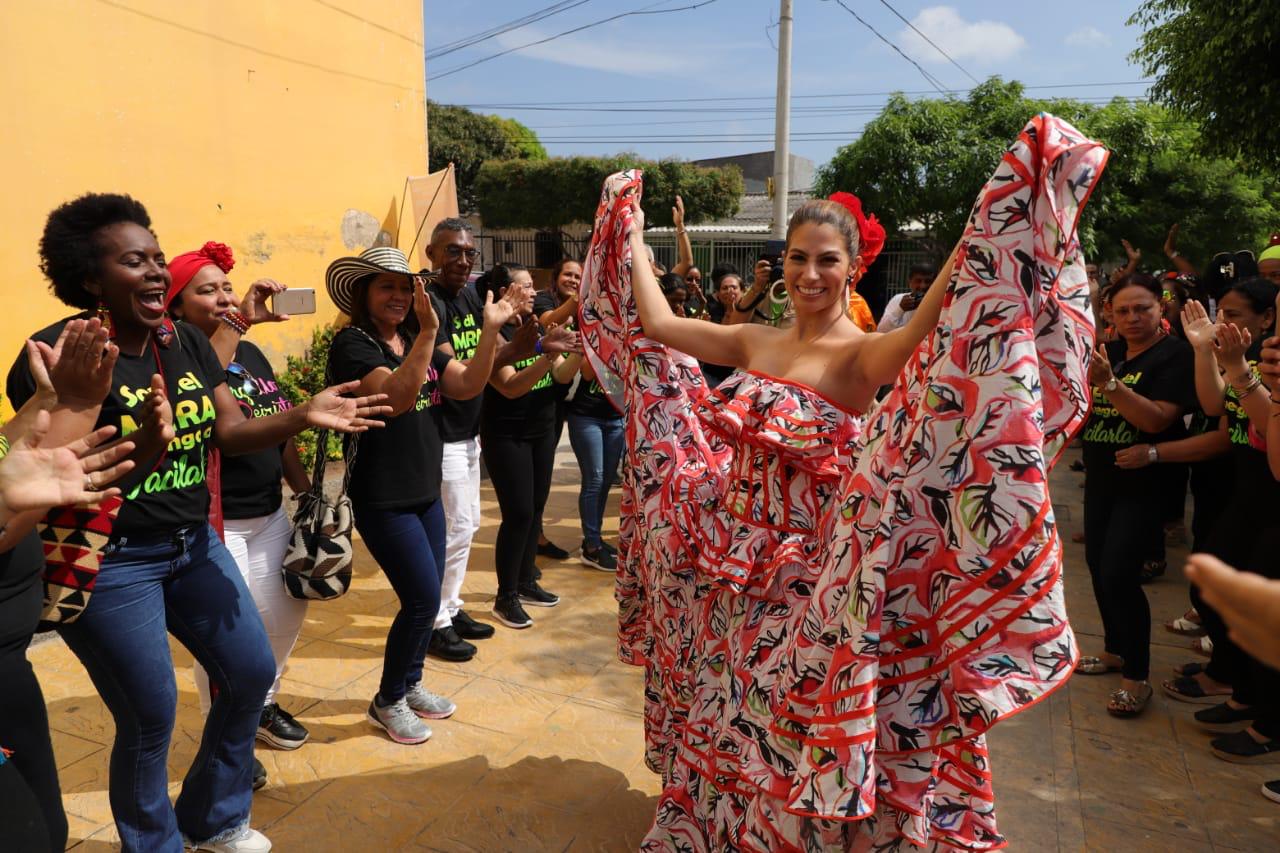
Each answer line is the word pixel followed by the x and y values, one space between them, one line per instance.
pixel 453 253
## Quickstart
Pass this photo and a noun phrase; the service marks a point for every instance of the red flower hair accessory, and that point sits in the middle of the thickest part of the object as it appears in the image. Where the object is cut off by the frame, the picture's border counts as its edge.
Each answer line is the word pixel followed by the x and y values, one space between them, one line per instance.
pixel 184 267
pixel 220 254
pixel 871 234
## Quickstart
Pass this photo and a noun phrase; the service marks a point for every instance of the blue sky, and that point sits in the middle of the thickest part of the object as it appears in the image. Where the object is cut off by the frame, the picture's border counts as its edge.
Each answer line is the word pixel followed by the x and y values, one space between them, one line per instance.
pixel 723 51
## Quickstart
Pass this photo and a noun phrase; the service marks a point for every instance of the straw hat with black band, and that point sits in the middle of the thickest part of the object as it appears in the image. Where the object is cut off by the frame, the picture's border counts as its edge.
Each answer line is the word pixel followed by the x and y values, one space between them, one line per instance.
pixel 345 273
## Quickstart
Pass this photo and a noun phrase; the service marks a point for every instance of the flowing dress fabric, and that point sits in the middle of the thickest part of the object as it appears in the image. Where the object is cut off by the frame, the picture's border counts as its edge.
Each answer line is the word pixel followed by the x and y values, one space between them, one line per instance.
pixel 830 691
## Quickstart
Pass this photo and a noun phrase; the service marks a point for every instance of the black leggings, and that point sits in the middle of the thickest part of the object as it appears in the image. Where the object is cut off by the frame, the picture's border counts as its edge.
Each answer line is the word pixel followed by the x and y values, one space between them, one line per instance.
pixel 30 777
pixel 1248 538
pixel 520 470
pixel 1120 531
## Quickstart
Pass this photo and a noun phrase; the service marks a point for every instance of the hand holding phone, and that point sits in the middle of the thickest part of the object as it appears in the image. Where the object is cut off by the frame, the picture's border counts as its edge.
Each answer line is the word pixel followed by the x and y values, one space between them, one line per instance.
pixel 295 300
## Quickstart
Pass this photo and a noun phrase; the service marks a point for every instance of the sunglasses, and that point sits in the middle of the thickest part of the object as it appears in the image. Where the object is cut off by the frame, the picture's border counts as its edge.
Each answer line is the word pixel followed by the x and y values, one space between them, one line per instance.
pixel 240 378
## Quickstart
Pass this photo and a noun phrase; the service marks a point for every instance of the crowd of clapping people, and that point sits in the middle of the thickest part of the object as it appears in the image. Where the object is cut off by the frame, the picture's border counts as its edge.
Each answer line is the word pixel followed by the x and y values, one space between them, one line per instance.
pixel 1183 378
pixel 151 411
pixel 141 495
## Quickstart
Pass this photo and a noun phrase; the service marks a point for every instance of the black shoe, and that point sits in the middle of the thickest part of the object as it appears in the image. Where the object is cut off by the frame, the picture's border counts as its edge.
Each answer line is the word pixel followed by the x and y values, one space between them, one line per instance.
pixel 599 558
pixel 1224 718
pixel 1151 570
pixel 469 629
pixel 1271 790
pixel 1240 748
pixel 278 728
pixel 537 596
pixel 612 549
pixel 259 775
pixel 508 610
pixel 445 644
pixel 552 550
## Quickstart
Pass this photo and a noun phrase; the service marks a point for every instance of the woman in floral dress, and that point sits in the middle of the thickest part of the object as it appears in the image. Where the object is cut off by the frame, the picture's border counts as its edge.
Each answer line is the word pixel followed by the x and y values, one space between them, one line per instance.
pixel 829 619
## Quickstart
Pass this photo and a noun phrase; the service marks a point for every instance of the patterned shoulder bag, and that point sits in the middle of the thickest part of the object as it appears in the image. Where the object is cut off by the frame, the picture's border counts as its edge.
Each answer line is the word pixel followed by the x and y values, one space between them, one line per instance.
pixel 317 564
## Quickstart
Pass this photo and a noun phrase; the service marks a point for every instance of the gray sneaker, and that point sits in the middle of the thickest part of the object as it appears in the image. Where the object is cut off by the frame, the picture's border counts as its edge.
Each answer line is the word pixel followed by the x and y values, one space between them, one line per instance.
pixel 399 721
pixel 427 704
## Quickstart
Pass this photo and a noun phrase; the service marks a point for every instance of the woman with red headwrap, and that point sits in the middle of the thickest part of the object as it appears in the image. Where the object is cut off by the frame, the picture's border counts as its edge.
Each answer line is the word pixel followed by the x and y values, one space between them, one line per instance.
pixel 247 497
pixel 163 570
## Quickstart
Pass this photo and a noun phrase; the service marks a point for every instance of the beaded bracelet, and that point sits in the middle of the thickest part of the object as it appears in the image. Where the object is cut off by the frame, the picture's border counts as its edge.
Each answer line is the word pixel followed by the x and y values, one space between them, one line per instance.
pixel 237 321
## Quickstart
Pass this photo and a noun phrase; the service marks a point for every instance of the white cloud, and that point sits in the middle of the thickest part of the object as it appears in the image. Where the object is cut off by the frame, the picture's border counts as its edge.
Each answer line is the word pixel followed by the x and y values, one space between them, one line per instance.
pixel 1088 37
pixel 983 41
pixel 595 52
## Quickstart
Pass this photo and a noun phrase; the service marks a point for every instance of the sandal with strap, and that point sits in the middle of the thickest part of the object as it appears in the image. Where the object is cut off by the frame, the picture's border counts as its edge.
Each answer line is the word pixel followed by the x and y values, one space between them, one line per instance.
pixel 1203 646
pixel 1126 704
pixel 1188 689
pixel 1190 668
pixel 1184 626
pixel 1094 665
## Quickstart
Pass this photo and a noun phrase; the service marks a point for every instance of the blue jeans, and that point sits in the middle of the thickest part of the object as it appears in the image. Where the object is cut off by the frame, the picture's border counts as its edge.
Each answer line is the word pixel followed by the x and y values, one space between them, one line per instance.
pixel 184 583
pixel 409 547
pixel 598 443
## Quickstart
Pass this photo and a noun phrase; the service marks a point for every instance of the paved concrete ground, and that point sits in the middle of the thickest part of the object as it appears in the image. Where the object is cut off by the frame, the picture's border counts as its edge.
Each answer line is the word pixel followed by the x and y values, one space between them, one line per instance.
pixel 545 750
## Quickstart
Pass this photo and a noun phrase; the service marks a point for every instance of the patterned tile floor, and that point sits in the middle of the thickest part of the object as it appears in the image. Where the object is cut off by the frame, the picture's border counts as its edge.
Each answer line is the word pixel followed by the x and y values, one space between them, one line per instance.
pixel 545 750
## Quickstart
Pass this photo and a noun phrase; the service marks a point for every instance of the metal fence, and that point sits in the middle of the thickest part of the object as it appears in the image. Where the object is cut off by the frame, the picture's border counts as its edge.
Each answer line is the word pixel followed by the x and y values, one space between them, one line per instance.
pixel 544 250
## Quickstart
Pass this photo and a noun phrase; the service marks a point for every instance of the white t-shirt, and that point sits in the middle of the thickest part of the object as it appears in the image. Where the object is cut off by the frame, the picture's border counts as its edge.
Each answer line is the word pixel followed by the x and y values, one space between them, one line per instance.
pixel 894 317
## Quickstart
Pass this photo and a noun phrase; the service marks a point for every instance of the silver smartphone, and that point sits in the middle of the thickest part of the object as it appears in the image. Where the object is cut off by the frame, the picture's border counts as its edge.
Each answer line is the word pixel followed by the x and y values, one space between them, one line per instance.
pixel 295 300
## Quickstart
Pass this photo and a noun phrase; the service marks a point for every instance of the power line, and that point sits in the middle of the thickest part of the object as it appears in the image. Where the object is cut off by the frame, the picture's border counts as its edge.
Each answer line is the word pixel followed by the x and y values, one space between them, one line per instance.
pixel 929 40
pixel 817 110
pixel 933 81
pixel 644 10
pixel 481 106
pixel 842 112
pixel 494 32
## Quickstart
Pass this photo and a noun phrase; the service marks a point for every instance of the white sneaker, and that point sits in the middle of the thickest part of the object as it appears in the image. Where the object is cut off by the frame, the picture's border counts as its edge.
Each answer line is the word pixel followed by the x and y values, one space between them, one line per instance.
pixel 399 721
pixel 430 705
pixel 248 841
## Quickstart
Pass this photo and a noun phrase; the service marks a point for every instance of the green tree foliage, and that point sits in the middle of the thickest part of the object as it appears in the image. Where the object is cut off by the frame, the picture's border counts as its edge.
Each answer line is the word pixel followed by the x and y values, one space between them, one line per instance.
pixel 467 139
pixel 522 139
pixel 924 161
pixel 1217 63
pixel 563 190
pixel 303 378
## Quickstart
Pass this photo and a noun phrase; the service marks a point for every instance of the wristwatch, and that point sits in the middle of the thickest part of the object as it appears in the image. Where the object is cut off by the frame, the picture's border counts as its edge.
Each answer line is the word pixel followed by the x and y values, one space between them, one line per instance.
pixel 1153 455
pixel 1111 385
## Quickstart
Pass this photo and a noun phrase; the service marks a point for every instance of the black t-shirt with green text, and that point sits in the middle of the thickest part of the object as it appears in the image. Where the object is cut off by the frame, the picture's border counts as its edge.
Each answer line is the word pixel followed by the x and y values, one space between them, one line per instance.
pixel 172 493
pixel 397 466
pixel 590 401
pixel 461 321
pixel 251 483
pixel 529 415
pixel 1253 479
pixel 1164 372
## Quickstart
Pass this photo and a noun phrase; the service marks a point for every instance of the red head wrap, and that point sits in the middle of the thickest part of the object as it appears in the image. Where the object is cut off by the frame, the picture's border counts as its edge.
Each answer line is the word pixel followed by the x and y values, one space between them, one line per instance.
pixel 184 267
pixel 870 231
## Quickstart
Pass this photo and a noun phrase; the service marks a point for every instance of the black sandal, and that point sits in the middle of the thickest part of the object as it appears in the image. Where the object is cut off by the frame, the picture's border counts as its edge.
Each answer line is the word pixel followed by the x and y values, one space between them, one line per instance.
pixel 1151 570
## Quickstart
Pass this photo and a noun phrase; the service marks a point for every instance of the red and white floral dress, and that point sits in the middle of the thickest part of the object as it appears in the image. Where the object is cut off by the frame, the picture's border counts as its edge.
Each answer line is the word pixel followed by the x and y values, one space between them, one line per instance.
pixel 831 618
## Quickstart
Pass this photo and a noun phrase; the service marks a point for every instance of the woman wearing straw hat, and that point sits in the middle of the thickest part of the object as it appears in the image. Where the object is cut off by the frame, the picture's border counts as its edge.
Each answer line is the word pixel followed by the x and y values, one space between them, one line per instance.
pixel 395 477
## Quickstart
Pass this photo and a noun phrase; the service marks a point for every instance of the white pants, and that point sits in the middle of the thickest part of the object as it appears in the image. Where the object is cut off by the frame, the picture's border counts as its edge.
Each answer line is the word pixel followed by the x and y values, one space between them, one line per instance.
pixel 460 493
pixel 258 546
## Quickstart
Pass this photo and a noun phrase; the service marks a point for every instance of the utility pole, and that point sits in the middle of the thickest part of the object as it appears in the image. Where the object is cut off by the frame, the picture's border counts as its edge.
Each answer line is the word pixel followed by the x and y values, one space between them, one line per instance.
pixel 782 125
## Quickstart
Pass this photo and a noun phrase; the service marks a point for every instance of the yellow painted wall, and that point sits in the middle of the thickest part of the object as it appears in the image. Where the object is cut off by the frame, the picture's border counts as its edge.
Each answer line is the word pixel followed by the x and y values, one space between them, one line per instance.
pixel 258 123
